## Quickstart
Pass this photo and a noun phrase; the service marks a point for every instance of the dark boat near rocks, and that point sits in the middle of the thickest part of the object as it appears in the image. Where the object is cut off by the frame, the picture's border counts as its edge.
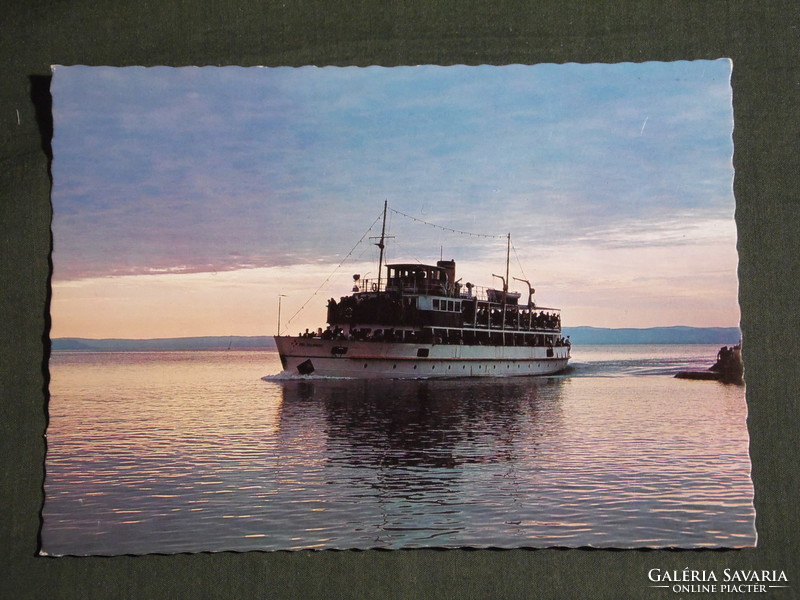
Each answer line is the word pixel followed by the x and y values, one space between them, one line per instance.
pixel 729 367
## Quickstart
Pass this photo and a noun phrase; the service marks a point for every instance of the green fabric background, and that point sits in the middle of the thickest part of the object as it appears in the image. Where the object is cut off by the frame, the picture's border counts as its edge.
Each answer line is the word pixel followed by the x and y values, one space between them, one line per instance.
pixel 760 37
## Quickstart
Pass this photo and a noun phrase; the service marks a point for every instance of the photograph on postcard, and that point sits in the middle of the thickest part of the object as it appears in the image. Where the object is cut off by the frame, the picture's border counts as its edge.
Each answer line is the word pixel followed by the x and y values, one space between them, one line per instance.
pixel 407 307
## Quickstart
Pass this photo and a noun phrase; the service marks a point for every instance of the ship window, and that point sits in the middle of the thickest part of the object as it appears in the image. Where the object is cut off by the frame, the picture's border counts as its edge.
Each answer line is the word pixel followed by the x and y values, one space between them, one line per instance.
pixel 450 305
pixel 436 304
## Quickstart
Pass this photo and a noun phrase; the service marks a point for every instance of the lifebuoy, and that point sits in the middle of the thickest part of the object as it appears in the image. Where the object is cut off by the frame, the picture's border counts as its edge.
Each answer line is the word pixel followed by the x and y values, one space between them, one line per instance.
pixel 348 313
pixel 374 287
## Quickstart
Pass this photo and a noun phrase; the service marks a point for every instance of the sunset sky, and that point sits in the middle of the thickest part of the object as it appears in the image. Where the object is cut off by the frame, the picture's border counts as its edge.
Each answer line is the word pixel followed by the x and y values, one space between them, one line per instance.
pixel 186 200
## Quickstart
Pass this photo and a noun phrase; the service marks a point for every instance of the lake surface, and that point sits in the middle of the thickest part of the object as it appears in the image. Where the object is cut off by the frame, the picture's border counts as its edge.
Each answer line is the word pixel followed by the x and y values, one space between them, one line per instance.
pixel 194 451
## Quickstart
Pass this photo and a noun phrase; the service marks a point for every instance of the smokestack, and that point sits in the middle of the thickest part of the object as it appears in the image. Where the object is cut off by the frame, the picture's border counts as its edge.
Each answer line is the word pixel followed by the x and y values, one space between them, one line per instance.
pixel 450 269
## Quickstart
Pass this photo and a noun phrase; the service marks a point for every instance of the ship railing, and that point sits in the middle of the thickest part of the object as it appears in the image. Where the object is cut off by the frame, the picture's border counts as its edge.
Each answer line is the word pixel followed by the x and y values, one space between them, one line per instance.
pixel 485 294
pixel 425 286
pixel 514 318
pixel 509 327
pixel 433 287
pixel 494 296
pixel 459 335
pixel 462 291
pixel 369 285
pixel 404 287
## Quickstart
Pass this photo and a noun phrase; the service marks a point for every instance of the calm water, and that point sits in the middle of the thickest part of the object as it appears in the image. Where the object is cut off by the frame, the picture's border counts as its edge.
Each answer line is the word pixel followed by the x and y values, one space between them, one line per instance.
pixel 191 451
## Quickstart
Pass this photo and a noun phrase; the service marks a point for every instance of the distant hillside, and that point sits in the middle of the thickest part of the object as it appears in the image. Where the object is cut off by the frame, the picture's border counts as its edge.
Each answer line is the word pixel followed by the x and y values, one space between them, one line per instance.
pixel 578 336
pixel 653 335
pixel 188 343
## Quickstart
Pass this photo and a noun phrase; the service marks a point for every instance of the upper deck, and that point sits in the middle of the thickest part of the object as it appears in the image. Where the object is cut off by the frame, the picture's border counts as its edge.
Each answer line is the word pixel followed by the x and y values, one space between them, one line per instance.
pixel 439 281
pixel 417 296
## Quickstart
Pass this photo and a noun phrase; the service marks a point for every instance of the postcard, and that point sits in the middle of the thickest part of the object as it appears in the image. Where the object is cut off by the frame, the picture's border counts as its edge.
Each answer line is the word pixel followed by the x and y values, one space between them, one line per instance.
pixel 409 307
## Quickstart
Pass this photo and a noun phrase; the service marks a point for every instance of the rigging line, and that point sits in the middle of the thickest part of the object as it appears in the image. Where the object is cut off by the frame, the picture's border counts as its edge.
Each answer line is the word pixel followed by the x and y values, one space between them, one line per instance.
pixel 401 250
pixel 521 270
pixel 364 250
pixel 328 278
pixel 484 235
pixel 389 230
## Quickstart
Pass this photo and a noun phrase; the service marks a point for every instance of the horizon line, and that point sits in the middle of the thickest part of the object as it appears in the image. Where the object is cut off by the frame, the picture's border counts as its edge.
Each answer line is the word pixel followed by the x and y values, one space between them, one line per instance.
pixel 75 337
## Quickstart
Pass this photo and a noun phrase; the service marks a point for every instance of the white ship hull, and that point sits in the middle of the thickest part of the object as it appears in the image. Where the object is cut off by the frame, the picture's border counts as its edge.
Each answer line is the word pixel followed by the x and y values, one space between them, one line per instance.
pixel 384 360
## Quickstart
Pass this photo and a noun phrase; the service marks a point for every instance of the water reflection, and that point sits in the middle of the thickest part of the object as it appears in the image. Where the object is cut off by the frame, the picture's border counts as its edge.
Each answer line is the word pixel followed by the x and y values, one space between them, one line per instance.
pixel 408 446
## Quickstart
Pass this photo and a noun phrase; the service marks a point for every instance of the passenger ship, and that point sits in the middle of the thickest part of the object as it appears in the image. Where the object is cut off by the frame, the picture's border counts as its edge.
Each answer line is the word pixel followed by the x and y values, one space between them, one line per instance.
pixel 421 322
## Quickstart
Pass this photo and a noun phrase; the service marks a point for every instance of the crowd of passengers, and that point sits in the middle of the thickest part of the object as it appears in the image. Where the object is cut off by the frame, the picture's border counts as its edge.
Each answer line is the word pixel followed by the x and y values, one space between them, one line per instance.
pixel 426 337
pixel 366 307
pixel 522 319
pixel 392 309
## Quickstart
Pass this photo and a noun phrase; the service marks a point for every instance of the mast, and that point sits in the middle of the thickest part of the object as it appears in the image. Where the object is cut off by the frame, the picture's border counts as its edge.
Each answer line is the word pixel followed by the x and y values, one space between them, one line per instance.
pixel 508 258
pixel 381 245
pixel 280 296
pixel 505 286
